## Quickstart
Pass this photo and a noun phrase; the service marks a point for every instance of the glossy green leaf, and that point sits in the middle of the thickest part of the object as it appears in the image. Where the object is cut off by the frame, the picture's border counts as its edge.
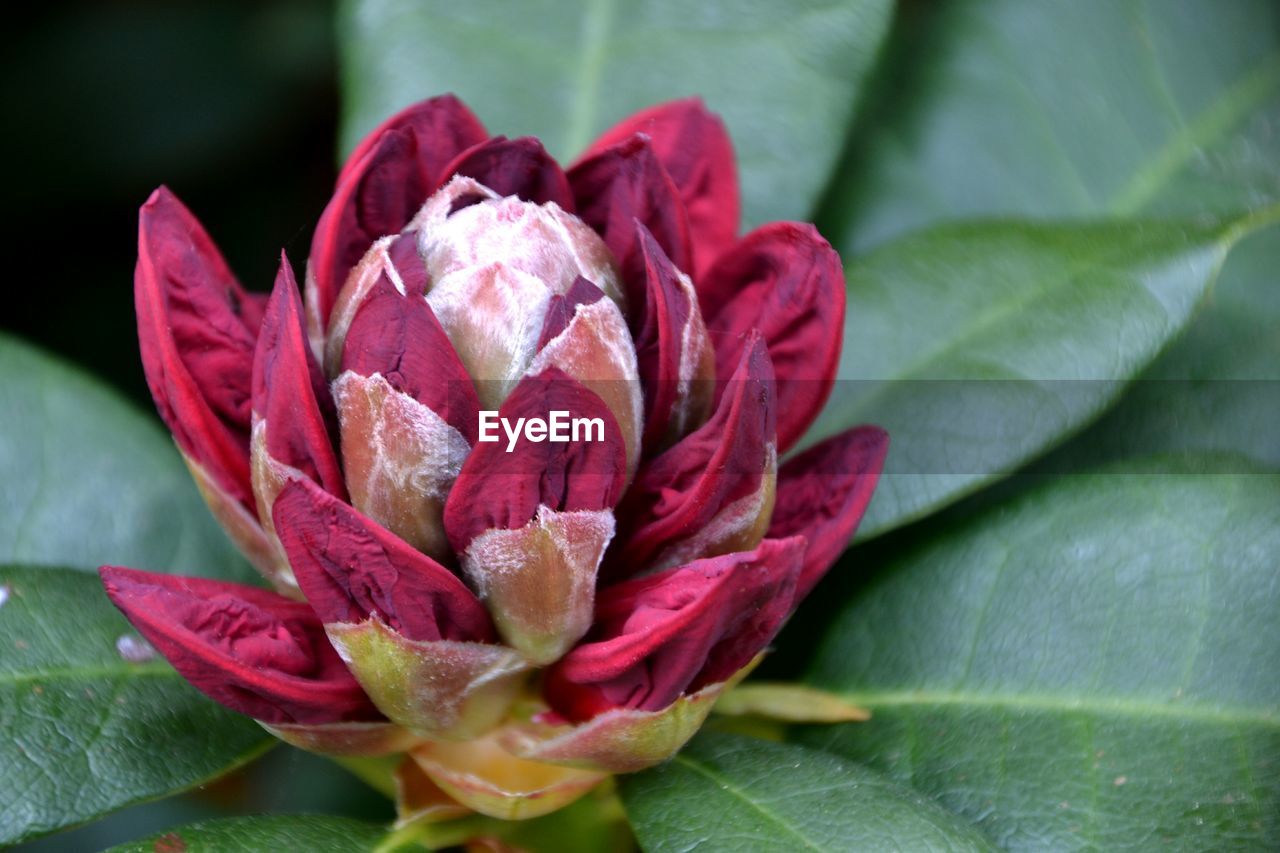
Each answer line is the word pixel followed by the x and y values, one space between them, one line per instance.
pixel 977 346
pixel 264 832
pixel 92 720
pixel 1046 109
pixel 785 75
pixel 90 480
pixel 1090 665
pixel 1217 388
pixel 733 793
pixel 1034 108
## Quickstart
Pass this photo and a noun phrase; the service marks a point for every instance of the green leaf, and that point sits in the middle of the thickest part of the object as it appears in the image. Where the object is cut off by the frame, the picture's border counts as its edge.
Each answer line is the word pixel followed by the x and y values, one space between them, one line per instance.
pixel 785 75
pixel 87 731
pixel 1047 109
pixel 89 480
pixel 264 832
pixel 1090 665
pixel 1094 108
pixel 977 346
pixel 731 793
pixel 1216 389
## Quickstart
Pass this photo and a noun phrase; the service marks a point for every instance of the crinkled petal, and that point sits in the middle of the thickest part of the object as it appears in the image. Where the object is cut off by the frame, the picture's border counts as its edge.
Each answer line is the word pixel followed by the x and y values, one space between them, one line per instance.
pixel 396 335
pixel 443 126
pixel 503 490
pixel 625 183
pixel 197 330
pixel 694 147
pixel 712 492
pixel 519 167
pixel 294 422
pixel 668 634
pixel 675 356
pixel 586 336
pixel 375 199
pixel 252 650
pixel 786 281
pixel 350 568
pixel 407 409
pixel 384 182
pixel 822 494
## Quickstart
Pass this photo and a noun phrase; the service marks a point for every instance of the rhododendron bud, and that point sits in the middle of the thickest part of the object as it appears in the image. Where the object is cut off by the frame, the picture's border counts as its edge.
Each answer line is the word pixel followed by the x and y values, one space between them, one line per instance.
pixel 513 461
pixel 494 264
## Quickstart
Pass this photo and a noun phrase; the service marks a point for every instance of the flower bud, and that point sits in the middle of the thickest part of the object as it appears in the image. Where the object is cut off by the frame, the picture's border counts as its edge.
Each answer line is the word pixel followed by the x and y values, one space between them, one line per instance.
pixel 523 612
pixel 494 264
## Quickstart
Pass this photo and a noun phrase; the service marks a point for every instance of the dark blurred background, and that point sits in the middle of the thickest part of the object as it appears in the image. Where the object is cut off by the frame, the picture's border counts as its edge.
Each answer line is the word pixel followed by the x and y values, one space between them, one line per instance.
pixel 234 106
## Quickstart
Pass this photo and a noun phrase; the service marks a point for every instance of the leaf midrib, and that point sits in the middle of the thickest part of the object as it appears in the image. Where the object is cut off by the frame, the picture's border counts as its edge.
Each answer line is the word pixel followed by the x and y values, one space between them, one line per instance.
pixel 729 787
pixel 1092 705
pixel 1212 123
pixel 597 21
pixel 72 673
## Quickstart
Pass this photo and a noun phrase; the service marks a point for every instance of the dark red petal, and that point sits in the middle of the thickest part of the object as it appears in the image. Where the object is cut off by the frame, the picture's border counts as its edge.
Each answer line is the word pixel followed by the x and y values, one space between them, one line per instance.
pixel 376 197
pixel 674 632
pixel 678 493
pixel 254 651
pixel 289 391
pixel 786 281
pixel 692 144
pixel 561 308
pixel 384 182
pixel 668 329
pixel 822 494
pixel 196 329
pixel 623 184
pixel 409 265
pixel 501 490
pixel 519 167
pixel 350 568
pixel 398 336
pixel 442 126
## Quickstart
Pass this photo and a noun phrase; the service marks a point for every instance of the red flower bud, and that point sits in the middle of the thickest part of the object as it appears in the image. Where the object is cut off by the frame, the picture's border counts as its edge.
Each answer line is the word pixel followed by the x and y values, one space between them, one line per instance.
pixel 515 167
pixel 351 569
pixel 293 417
pixel 398 458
